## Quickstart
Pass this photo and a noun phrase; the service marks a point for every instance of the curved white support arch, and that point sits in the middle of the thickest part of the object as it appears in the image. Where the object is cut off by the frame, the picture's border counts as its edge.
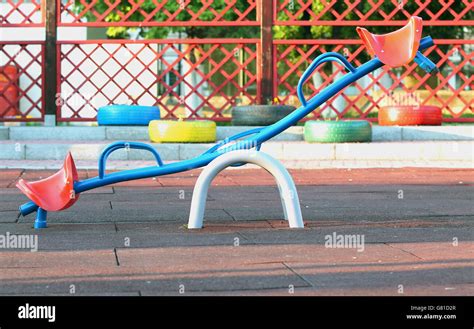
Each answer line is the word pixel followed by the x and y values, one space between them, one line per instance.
pixel 286 186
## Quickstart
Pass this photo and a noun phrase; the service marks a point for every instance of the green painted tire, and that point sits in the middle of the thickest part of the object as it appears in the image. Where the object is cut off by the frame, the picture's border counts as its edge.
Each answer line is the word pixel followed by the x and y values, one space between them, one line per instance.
pixel 338 131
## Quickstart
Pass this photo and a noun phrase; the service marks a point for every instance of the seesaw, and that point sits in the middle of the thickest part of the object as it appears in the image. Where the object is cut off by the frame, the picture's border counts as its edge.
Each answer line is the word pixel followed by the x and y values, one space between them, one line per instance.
pixel 61 190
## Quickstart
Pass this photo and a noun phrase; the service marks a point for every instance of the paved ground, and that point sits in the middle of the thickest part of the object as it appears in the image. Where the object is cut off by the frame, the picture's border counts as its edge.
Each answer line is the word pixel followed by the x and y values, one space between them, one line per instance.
pixel 130 239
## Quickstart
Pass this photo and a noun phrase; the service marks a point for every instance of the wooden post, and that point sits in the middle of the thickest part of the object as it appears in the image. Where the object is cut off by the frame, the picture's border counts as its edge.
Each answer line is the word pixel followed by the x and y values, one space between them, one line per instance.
pixel 50 61
pixel 265 61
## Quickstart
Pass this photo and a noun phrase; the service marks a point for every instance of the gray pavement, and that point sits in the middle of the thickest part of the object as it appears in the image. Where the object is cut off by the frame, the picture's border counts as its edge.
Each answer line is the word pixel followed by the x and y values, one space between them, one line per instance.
pixel 133 241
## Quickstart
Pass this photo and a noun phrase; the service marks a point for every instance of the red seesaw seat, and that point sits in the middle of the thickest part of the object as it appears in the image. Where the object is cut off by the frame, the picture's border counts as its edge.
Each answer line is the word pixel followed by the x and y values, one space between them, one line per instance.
pixel 55 192
pixel 396 48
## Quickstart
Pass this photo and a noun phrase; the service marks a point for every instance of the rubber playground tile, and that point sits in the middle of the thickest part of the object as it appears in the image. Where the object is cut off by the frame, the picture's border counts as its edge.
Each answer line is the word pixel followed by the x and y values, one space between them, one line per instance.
pixel 11 205
pixel 16 197
pixel 10 173
pixel 366 210
pixel 34 175
pixel 144 191
pixel 139 182
pixel 130 215
pixel 8 216
pixel 438 224
pixel 160 205
pixel 179 227
pixel 258 254
pixel 388 276
pixel 68 292
pixel 151 189
pixel 342 197
pixel 253 172
pixel 190 180
pixel 454 208
pixel 372 235
pixel 56 259
pixel 453 249
pixel 391 192
pixel 166 240
pixel 230 199
pixel 418 290
pixel 222 180
pixel 64 237
pixel 130 279
pixel 100 190
pixel 17 228
pixel 152 198
pixel 248 212
pixel 252 181
pixel 300 176
pixel 225 191
pixel 235 226
pixel 9 177
pixel 5 191
pixel 87 203
pixel 76 241
pixel 243 195
pixel 54 280
pixel 6 183
pixel 383 176
pixel 177 181
pixel 25 227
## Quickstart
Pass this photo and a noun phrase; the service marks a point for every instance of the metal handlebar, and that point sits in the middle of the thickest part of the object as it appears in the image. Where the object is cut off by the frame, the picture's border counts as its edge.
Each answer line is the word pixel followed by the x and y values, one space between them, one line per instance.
pixel 326 57
pixel 127 145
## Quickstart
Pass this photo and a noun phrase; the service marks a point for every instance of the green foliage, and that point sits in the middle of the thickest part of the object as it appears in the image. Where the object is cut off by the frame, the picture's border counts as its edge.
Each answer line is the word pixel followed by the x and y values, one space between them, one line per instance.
pixel 172 7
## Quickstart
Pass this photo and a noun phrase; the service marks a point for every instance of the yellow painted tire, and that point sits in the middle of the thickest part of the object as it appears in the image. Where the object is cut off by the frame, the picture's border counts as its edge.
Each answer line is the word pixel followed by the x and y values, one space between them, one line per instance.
pixel 166 131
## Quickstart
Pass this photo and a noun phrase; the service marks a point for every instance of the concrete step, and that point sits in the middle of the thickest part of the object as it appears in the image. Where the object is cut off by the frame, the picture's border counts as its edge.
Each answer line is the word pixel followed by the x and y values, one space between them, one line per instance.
pixel 461 151
pixel 379 133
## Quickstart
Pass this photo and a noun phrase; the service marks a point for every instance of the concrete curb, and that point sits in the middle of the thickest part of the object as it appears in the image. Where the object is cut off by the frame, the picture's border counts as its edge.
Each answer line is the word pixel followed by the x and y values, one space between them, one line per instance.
pixel 288 151
pixel 4 133
pixel 379 133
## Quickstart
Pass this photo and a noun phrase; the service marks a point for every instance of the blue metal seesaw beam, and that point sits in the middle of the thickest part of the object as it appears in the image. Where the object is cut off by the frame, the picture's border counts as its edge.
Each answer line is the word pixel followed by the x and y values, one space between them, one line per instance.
pixel 259 136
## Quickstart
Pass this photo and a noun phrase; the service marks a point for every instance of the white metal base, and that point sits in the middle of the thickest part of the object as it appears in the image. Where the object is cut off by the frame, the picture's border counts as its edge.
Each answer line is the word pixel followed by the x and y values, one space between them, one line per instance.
pixel 286 186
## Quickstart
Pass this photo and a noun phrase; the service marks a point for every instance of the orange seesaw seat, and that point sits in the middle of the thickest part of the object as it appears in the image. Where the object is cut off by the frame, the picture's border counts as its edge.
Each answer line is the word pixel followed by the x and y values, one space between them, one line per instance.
pixel 396 48
pixel 55 192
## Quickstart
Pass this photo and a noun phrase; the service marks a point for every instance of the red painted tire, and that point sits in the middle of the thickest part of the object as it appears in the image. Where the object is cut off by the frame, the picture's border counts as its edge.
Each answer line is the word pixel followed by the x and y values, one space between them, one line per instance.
pixel 410 116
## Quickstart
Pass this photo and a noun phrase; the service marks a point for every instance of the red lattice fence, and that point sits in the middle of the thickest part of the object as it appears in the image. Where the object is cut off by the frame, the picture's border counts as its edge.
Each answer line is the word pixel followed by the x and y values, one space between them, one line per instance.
pixel 24 89
pixel 209 76
pixel 15 13
pixel 452 89
pixel 387 86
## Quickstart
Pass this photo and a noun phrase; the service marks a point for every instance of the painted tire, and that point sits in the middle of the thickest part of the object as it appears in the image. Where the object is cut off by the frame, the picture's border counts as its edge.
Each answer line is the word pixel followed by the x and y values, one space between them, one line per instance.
pixel 338 131
pixel 410 116
pixel 259 115
pixel 165 131
pixel 127 115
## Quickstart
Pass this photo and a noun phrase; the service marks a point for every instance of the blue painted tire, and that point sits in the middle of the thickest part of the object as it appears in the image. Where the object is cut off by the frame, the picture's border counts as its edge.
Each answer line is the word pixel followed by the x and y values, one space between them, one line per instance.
pixel 127 115
pixel 349 131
